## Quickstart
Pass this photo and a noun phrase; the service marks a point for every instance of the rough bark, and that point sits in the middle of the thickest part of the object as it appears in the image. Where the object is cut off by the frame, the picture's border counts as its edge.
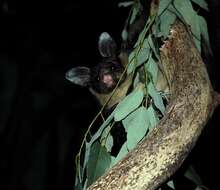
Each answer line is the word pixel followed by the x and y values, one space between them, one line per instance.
pixel 191 103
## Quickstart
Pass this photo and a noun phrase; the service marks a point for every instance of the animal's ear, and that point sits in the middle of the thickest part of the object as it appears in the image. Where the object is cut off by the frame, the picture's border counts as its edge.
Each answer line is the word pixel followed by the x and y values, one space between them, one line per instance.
pixel 107 45
pixel 79 76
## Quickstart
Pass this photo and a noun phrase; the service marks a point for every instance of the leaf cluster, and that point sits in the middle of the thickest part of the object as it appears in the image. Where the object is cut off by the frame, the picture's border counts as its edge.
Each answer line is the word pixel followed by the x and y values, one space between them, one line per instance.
pixel 142 108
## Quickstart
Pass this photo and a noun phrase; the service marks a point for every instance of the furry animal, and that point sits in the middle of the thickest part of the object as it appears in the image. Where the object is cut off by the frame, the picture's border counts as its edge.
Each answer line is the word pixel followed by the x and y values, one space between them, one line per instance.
pixel 103 78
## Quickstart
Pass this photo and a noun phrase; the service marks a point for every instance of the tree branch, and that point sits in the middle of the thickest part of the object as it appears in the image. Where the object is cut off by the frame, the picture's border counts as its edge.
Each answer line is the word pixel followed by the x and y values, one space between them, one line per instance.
pixel 191 103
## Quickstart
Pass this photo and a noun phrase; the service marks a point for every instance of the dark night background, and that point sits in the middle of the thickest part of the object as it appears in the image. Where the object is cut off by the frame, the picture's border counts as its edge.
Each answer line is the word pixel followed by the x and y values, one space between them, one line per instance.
pixel 42 115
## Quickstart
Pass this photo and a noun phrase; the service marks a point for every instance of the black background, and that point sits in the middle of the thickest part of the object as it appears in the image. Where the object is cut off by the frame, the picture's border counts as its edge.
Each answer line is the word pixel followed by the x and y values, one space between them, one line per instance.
pixel 42 115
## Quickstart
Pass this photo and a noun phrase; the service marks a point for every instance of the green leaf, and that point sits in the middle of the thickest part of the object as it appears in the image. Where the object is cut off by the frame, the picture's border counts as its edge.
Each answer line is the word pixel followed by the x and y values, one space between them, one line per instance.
pixel 171 184
pixel 78 185
pixel 93 139
pixel 86 156
pixel 136 80
pixel 204 32
pixel 143 33
pixel 166 20
pixel 99 162
pixel 156 31
pixel 140 37
pixel 153 118
pixel 192 175
pixel 152 68
pixel 125 4
pixel 185 8
pixel 132 63
pixel 103 126
pixel 109 143
pixel 152 46
pixel 201 3
pixel 173 9
pixel 157 99
pixel 138 56
pixel 136 126
pixel 85 184
pixel 123 151
pixel 135 12
pixel 144 52
pixel 196 30
pixel 124 34
pixel 190 17
pixel 107 139
pixel 163 5
pixel 129 104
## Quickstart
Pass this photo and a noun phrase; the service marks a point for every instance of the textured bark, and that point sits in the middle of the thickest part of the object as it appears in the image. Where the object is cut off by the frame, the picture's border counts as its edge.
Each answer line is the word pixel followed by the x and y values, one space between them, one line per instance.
pixel 191 103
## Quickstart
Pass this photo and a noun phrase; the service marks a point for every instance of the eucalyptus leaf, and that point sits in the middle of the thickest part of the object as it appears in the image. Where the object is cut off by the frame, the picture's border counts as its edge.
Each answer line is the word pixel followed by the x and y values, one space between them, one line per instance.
pixel 78 185
pixel 141 37
pixel 201 3
pixel 156 31
pixel 143 54
pixel 192 175
pixel 103 126
pixel 85 184
pixel 128 104
pixel 136 80
pixel 107 139
pixel 196 30
pixel 134 14
pixel 166 20
pixel 204 32
pixel 124 34
pixel 125 4
pixel 190 17
pixel 153 118
pixel 157 99
pixel 123 151
pixel 173 9
pixel 171 184
pixel 93 139
pixel 99 162
pixel 163 6
pixel 109 143
pixel 152 46
pixel 138 56
pixel 152 68
pixel 185 9
pixel 86 156
pixel 132 61
pixel 78 170
pixel 136 126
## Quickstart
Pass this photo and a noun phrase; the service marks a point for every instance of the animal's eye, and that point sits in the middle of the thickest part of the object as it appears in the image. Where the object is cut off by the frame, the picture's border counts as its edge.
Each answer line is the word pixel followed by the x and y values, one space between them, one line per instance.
pixel 112 68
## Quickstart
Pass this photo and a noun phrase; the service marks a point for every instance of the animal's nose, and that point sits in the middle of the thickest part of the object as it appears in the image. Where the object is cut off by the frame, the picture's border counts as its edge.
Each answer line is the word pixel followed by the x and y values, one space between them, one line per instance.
pixel 107 79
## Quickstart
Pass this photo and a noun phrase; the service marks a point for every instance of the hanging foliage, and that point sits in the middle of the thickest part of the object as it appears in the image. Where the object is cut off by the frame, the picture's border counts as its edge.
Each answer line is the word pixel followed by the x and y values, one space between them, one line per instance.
pixel 144 106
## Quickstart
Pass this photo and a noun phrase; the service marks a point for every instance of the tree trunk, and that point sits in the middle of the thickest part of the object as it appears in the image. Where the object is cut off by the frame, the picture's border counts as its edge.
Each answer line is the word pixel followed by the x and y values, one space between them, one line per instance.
pixel 191 104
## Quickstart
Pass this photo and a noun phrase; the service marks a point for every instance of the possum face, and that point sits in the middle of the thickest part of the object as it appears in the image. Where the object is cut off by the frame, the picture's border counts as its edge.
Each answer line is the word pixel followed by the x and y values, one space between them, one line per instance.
pixel 102 78
pixel 106 75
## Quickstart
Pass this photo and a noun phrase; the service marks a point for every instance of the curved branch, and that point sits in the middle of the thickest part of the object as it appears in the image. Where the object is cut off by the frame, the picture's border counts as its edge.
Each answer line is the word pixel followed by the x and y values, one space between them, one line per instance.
pixel 191 103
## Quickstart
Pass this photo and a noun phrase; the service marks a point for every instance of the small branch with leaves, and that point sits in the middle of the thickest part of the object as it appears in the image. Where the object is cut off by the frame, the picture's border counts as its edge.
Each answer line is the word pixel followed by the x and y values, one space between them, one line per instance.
pixel 163 115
